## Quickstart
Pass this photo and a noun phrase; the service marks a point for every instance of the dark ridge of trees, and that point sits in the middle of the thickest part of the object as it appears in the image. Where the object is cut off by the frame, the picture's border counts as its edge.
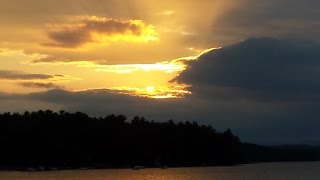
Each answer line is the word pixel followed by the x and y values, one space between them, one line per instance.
pixel 65 140
pixel 73 140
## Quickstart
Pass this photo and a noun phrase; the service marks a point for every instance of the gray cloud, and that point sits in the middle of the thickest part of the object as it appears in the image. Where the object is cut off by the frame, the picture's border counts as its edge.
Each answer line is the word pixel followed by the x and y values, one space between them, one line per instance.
pixel 69 38
pixel 267 89
pixel 17 75
pixel 276 18
pixel 40 85
pixel 78 35
pixel 258 69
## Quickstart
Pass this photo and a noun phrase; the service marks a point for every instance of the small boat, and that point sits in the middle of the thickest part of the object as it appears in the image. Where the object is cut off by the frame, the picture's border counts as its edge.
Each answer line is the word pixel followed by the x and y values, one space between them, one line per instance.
pixel 164 167
pixel 138 167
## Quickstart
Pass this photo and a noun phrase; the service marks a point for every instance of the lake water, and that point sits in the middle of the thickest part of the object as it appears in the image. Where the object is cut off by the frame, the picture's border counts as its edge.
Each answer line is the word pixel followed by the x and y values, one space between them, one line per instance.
pixel 264 171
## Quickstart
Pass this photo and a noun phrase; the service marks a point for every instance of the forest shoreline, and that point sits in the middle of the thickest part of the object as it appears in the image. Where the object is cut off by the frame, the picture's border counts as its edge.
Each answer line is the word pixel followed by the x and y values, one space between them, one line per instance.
pixel 47 140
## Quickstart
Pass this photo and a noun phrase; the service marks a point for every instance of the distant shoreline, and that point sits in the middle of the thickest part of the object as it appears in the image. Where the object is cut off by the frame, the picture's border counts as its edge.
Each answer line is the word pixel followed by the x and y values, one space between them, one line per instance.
pixel 53 169
pixel 46 140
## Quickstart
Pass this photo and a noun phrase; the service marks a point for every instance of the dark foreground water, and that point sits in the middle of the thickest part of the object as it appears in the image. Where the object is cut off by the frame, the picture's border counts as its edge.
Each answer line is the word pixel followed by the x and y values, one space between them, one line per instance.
pixel 266 171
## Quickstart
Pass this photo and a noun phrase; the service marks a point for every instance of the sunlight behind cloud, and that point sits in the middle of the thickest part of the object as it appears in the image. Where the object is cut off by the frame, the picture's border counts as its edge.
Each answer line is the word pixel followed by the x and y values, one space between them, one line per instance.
pixel 150 89
pixel 172 66
pixel 95 30
pixel 167 13
pixel 144 80
pixel 129 68
pixel 146 33
pixel 155 92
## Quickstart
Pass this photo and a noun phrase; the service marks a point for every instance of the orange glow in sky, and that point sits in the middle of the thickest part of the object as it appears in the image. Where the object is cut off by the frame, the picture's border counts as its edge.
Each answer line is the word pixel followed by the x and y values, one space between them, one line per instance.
pixel 158 92
pixel 124 49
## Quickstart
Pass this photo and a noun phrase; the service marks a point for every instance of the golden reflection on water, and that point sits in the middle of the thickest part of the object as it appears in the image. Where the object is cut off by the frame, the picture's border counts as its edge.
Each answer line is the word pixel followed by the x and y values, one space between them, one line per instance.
pixel 266 171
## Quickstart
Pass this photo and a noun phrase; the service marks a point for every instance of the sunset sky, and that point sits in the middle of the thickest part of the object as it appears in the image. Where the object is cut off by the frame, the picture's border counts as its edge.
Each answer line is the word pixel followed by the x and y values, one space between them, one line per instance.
pixel 249 65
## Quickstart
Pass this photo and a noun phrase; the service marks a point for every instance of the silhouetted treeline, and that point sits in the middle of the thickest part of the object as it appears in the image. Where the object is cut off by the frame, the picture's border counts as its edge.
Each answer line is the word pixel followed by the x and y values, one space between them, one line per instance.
pixel 63 140
pixel 50 139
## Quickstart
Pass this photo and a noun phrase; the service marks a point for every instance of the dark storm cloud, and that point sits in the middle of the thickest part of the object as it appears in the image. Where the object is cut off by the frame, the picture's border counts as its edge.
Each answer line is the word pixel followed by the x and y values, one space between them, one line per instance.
pixel 40 85
pixel 77 35
pixel 17 75
pixel 268 89
pixel 276 18
pixel 259 69
pixel 258 12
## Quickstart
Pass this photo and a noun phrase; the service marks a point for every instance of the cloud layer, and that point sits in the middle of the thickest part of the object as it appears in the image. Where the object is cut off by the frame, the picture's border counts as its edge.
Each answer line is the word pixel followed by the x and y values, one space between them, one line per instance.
pixel 269 89
pixel 100 29
pixel 17 75
pixel 259 69
pixel 273 18
pixel 40 85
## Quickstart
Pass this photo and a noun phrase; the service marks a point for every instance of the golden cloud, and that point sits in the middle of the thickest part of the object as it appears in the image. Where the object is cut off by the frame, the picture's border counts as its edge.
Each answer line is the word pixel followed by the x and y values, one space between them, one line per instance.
pixel 155 92
pixel 100 30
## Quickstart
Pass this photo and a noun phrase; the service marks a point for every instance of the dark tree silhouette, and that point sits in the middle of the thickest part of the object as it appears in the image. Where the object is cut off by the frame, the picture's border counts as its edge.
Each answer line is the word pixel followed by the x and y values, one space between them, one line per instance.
pixel 72 140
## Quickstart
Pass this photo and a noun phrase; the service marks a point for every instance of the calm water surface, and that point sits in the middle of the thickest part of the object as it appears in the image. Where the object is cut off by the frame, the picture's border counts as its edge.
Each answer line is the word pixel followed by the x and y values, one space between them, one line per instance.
pixel 266 171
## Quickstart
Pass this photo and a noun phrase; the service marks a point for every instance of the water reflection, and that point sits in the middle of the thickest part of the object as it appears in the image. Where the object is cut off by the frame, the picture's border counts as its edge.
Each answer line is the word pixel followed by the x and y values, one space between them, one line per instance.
pixel 267 171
